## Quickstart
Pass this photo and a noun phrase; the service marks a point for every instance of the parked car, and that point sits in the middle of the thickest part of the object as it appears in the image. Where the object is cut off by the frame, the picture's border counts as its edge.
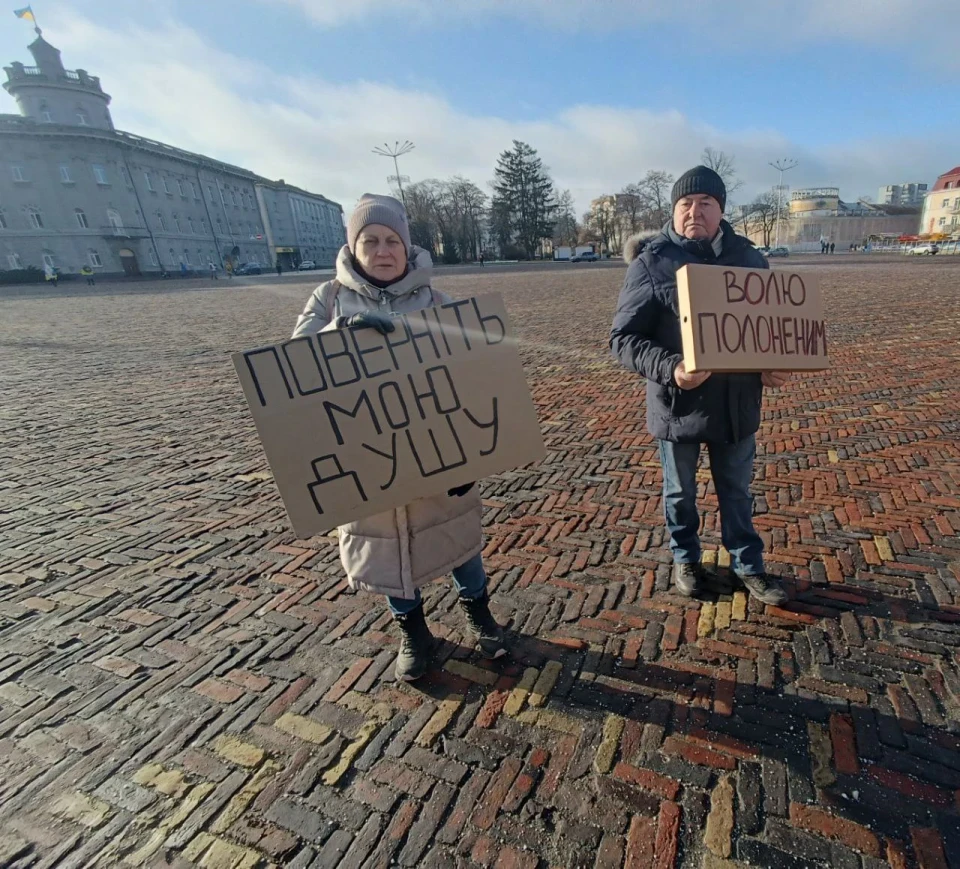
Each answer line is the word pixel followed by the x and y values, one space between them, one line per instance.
pixel 584 258
pixel 779 251
pixel 249 269
pixel 307 265
pixel 924 250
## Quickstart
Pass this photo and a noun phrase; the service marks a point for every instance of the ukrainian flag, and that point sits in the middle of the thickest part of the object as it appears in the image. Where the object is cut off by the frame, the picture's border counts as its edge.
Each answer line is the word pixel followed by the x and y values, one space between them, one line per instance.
pixel 26 12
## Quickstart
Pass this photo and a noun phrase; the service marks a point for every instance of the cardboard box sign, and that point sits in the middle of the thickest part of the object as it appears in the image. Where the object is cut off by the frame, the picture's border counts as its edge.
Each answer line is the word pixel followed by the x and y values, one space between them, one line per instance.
pixel 751 320
pixel 354 422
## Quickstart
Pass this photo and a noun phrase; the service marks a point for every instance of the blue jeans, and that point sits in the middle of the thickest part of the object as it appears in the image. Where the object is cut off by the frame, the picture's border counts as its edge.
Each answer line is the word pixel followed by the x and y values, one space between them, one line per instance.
pixel 470 579
pixel 731 466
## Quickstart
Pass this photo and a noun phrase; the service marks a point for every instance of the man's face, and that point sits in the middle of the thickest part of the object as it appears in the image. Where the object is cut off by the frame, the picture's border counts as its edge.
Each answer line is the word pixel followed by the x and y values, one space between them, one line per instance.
pixel 697 216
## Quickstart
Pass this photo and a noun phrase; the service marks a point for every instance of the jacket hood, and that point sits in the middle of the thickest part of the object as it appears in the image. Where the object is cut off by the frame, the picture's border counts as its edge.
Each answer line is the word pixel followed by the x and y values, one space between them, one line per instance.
pixel 634 245
pixel 419 273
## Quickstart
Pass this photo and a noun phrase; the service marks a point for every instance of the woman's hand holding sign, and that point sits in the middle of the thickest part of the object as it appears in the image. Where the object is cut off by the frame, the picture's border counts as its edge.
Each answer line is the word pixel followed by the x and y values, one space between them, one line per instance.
pixel 371 320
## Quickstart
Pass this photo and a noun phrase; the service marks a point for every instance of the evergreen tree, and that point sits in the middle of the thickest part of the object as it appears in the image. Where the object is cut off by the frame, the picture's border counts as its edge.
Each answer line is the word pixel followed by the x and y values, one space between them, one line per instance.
pixel 523 201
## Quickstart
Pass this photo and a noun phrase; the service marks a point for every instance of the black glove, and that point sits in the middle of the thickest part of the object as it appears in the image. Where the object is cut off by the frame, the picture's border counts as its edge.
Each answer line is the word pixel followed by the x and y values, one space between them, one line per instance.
pixel 460 491
pixel 371 320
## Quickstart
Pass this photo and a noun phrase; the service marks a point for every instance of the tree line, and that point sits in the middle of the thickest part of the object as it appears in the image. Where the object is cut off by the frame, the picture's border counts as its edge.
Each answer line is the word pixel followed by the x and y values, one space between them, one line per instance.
pixel 525 214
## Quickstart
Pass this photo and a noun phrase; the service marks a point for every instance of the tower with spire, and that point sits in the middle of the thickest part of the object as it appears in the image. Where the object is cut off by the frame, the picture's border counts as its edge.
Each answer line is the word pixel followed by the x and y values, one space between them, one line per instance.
pixel 50 94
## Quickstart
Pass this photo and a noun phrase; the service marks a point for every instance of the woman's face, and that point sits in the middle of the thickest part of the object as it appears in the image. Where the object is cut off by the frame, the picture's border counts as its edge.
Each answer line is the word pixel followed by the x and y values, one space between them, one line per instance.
pixel 380 252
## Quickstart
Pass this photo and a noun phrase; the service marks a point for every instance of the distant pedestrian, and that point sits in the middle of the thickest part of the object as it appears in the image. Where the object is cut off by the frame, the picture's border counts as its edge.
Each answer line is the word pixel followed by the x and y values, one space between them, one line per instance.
pixel 380 275
pixel 481 259
pixel 279 269
pixel 87 272
pixel 833 247
pixel 183 269
pixel 51 274
pixel 228 268
pixel 213 271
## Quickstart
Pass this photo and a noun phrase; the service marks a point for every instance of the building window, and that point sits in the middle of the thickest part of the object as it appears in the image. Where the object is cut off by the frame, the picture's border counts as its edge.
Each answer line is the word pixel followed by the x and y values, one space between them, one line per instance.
pixel 946 203
pixel 19 173
pixel 943 221
pixel 115 221
pixel 13 260
pixel 100 174
pixel 210 193
pixel 148 180
pixel 82 119
pixel 3 219
pixel 45 115
pixel 153 257
pixel 166 187
pixel 65 175
pixel 35 217
pixel 190 224
pixel 48 260
pixel 82 221
pixel 193 190
pixel 180 188
pixel 125 175
pixel 233 193
pixel 203 225
pixel 186 257
pixel 219 226
pixel 94 258
pixel 161 222
pixel 176 222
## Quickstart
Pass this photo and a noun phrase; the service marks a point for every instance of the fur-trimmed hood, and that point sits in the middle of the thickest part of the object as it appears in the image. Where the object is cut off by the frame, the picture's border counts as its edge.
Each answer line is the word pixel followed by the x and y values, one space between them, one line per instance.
pixel 634 245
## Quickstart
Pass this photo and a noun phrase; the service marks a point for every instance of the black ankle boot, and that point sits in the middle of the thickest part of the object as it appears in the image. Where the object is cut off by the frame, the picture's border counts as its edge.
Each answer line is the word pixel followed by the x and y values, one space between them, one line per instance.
pixel 416 645
pixel 483 626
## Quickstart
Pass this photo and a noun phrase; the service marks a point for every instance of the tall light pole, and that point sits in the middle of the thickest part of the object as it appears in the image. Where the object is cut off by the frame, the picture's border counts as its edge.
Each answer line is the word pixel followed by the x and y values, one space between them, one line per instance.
pixel 781 166
pixel 398 150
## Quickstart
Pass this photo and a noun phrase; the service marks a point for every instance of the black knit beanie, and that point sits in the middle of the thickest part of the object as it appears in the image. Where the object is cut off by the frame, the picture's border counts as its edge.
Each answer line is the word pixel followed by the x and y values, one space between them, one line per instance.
pixel 700 179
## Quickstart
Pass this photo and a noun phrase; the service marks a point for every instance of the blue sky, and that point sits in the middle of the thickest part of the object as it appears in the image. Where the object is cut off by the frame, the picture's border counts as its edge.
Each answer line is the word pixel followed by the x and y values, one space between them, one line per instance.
pixel 858 91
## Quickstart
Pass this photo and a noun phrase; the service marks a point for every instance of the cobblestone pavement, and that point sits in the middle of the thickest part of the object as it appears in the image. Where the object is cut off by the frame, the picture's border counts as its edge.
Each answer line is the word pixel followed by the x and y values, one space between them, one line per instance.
pixel 182 682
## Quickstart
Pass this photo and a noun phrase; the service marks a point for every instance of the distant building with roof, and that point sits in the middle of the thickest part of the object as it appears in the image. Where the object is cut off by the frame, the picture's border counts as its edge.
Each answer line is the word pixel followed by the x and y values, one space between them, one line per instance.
pixel 818 214
pixel 76 192
pixel 908 193
pixel 941 206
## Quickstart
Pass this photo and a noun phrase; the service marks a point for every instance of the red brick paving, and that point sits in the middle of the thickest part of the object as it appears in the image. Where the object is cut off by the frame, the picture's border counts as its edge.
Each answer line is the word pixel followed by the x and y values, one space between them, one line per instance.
pixel 180 677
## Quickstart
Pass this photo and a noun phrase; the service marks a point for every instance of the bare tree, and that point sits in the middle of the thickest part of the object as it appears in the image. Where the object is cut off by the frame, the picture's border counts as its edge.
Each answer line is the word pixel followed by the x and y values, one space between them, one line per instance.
pixel 565 227
pixel 603 221
pixel 724 165
pixel 763 215
pixel 630 207
pixel 655 189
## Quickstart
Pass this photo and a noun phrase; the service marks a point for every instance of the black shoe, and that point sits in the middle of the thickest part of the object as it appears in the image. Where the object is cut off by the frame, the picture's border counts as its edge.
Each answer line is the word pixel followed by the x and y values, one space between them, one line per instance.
pixel 483 626
pixel 416 645
pixel 688 578
pixel 764 588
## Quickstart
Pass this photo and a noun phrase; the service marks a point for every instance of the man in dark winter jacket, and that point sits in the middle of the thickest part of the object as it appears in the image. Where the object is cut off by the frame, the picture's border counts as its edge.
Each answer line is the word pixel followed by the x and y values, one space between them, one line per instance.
pixel 686 410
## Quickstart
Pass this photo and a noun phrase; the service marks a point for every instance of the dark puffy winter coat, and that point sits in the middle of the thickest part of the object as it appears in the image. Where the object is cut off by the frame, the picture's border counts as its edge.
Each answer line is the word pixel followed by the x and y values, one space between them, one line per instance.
pixel 646 338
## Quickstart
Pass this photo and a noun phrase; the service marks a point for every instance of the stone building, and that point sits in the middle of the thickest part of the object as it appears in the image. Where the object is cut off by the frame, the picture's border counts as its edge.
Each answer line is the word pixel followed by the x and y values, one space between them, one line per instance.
pixel 941 207
pixel 74 191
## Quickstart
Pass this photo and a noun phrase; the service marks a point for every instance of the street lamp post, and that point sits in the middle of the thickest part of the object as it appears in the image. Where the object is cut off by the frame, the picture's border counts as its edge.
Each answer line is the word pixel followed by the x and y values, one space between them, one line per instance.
pixel 398 150
pixel 781 166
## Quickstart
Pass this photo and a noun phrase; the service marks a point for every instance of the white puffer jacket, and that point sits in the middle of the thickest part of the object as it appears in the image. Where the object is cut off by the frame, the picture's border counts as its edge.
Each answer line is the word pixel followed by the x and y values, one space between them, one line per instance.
pixel 396 552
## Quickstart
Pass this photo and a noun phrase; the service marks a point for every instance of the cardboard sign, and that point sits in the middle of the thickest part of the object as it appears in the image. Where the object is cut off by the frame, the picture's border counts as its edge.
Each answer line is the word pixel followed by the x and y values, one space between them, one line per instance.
pixel 751 320
pixel 354 422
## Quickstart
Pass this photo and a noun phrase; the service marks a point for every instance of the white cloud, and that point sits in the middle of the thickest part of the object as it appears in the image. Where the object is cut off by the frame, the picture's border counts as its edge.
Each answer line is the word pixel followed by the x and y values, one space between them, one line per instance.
pixel 926 30
pixel 170 84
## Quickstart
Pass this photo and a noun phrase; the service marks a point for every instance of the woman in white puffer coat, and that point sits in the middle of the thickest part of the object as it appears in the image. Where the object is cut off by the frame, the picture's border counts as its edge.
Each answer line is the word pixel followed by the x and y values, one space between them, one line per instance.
pixel 379 274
